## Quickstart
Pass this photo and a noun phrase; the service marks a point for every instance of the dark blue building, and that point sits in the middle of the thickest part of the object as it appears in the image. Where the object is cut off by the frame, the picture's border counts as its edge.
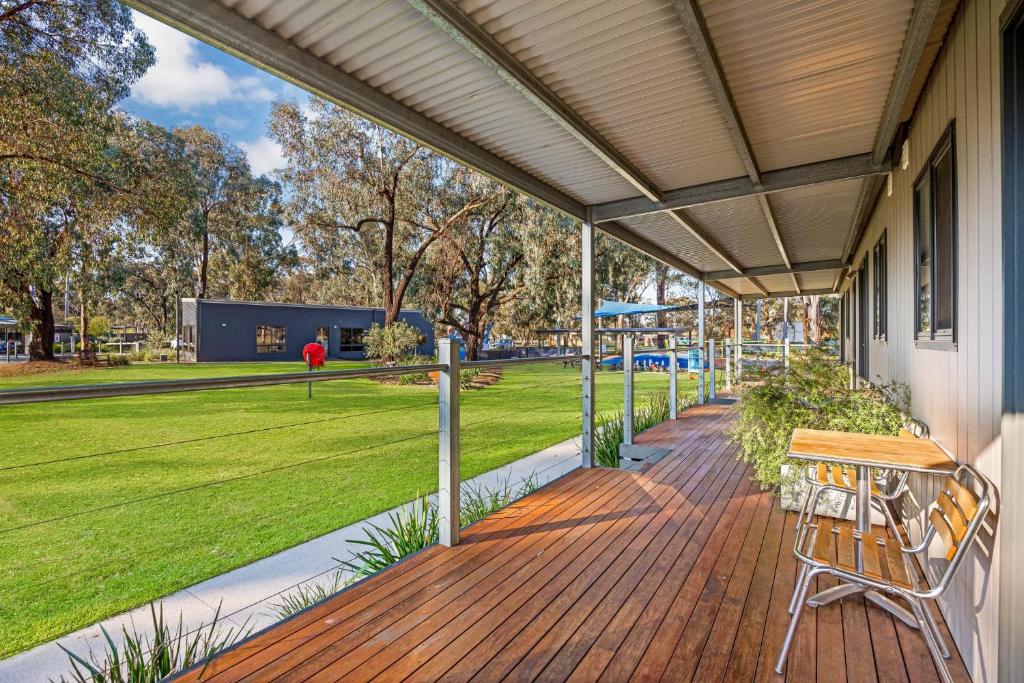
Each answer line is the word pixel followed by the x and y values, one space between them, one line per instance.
pixel 220 330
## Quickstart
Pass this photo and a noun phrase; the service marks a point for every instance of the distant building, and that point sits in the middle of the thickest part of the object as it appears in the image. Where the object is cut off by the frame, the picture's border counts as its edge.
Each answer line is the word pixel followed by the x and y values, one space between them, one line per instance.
pixel 220 330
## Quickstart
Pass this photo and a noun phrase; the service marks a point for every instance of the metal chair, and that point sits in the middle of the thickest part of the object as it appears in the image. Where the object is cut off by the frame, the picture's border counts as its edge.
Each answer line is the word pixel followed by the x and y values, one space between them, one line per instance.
pixel 886 566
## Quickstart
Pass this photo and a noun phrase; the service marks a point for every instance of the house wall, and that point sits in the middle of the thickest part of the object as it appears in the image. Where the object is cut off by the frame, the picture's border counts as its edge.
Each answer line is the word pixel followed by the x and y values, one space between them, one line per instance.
pixel 226 330
pixel 958 393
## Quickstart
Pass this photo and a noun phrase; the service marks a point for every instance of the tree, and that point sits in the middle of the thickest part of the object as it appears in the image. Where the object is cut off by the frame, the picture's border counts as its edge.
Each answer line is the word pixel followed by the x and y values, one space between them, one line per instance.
pixel 478 262
pixel 367 204
pixel 62 66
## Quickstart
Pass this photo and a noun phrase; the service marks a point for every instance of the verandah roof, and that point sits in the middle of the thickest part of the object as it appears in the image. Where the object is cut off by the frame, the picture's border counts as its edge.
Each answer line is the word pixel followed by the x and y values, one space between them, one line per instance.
pixel 738 141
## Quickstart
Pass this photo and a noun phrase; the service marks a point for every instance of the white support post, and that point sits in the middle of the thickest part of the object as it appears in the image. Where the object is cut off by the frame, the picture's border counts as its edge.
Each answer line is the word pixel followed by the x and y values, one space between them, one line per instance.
pixel 587 326
pixel 785 352
pixel 727 352
pixel 449 483
pixel 627 389
pixel 739 339
pixel 785 318
pixel 700 341
pixel 712 392
pixel 673 377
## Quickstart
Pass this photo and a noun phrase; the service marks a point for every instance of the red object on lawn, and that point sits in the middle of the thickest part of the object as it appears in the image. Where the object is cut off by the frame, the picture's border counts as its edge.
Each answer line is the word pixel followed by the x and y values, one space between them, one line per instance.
pixel 313 354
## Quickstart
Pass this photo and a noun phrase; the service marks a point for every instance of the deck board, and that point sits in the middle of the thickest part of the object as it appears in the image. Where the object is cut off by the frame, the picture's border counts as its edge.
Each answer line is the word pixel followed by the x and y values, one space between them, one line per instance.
pixel 679 572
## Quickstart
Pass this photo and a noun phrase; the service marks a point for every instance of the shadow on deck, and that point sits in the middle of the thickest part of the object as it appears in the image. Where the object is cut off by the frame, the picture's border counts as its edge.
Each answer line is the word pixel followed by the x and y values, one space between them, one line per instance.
pixel 680 572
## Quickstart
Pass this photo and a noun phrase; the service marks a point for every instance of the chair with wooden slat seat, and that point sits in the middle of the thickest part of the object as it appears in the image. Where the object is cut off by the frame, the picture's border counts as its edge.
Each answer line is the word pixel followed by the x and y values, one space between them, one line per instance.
pixel 831 547
pixel 886 488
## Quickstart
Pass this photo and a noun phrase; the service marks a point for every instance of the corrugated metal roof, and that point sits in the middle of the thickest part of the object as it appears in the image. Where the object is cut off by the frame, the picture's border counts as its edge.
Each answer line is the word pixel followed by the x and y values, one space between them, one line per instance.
pixel 665 231
pixel 741 229
pixel 815 221
pixel 810 77
pixel 819 279
pixel 628 69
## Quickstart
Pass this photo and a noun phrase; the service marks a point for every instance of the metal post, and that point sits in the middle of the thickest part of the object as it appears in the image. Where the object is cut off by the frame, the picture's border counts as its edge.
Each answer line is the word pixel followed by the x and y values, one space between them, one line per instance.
pixel 448 443
pixel 739 340
pixel 785 318
pixel 712 393
pixel 727 352
pixel 627 389
pixel 177 330
pixel 700 341
pixel 673 380
pixel 785 353
pixel 587 327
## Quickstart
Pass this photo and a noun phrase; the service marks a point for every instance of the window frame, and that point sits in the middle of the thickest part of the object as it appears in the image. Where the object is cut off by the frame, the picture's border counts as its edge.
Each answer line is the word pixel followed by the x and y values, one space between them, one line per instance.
pixel 346 345
pixel 944 339
pixel 279 345
pixel 880 289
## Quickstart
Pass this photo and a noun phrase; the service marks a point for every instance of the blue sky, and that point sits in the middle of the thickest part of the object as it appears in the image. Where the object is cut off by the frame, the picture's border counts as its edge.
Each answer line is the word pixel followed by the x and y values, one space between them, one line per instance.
pixel 192 83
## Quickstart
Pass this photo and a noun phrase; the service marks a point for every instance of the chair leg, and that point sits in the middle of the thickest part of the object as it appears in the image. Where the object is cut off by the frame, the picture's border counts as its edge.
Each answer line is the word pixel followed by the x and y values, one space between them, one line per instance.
pixel 803 507
pixel 796 587
pixel 802 589
pixel 931 641
pixel 934 627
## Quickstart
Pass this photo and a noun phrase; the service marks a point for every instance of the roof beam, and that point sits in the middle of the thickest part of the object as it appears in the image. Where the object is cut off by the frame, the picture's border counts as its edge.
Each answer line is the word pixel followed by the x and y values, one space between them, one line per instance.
pixel 780 295
pixel 845 168
pixel 223 28
pixel 630 238
pixel 921 22
pixel 805 267
pixel 697 31
pixel 457 25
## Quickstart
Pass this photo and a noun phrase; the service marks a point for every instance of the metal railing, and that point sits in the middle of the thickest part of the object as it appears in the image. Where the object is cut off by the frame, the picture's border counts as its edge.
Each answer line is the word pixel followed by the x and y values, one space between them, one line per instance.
pixel 449 387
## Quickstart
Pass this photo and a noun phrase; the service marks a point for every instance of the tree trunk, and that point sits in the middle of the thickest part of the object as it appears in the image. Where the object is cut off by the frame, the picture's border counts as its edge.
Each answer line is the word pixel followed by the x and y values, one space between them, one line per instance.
pixel 472 345
pixel 41 346
pixel 204 263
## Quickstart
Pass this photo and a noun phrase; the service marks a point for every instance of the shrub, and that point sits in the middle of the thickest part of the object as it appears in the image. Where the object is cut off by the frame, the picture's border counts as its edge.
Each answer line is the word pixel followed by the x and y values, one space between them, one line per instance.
pixel 386 344
pixel 416 527
pixel 138 660
pixel 309 594
pixel 813 393
pixel 117 359
pixel 411 530
pixel 478 503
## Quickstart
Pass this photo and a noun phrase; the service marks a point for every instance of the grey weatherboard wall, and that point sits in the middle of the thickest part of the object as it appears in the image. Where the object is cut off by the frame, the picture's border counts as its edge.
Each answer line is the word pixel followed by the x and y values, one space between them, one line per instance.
pixel 226 330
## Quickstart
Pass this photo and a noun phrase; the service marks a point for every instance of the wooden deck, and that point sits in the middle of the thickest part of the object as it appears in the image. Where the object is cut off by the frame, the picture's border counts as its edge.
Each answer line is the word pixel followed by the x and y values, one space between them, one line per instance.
pixel 678 573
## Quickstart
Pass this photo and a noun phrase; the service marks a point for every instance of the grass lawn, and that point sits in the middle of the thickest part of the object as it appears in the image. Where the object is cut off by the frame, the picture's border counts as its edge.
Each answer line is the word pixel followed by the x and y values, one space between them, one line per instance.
pixel 106 504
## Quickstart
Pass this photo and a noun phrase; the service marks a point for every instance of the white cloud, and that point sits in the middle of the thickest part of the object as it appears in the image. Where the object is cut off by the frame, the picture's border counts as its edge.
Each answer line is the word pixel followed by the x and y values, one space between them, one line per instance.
pixel 181 79
pixel 264 154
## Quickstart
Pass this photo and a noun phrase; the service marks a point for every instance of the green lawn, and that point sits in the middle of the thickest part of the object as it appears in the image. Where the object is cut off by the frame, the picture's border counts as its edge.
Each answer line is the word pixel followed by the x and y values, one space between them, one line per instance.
pixel 106 504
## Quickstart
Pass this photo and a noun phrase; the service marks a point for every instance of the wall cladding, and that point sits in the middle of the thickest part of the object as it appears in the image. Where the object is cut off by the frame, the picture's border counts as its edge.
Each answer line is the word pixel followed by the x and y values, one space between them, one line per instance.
pixel 958 393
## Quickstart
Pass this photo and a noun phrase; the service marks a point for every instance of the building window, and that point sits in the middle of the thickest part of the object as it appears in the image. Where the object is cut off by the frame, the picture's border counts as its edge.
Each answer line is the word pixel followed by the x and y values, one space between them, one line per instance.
pixel 270 339
pixel 351 339
pixel 323 337
pixel 935 241
pixel 880 289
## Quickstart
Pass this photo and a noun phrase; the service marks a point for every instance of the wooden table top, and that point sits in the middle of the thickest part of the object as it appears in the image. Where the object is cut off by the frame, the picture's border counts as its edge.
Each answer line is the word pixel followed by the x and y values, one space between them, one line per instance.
pixel 872 450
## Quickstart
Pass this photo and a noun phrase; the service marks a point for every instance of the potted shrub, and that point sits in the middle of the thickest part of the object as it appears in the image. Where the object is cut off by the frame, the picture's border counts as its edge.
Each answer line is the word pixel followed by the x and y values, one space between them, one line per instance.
pixel 813 393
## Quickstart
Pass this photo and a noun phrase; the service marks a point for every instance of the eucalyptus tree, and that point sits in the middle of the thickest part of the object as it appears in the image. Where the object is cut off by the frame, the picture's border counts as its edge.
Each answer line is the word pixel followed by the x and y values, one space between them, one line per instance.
pixel 478 264
pixel 63 64
pixel 367 204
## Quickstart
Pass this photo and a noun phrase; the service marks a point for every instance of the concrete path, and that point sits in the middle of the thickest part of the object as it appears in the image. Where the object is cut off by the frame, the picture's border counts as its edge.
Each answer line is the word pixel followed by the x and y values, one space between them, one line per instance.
pixel 246 594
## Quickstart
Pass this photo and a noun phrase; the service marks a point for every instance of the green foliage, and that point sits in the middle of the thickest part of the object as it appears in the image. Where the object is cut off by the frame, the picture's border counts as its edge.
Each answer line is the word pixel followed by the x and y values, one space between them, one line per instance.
pixel 412 529
pixel 478 503
pixel 610 432
pixel 138 660
pixel 387 344
pixel 813 393
pixel 309 594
